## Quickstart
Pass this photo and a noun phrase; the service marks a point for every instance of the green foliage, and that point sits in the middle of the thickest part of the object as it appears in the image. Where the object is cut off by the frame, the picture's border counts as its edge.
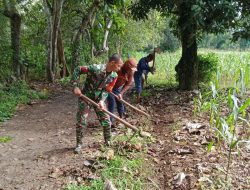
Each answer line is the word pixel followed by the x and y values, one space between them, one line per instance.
pixel 17 93
pixel 139 35
pixel 95 185
pixel 5 139
pixel 224 68
pixel 207 67
pixel 124 166
pixel 169 42
pixel 33 51
pixel 209 146
pixel 165 68
pixel 207 15
pixel 121 170
pixel 243 26
pixel 64 81
pixel 5 63
pixel 125 36
pixel 191 19
pixel 223 41
pixel 227 110
pixel 145 93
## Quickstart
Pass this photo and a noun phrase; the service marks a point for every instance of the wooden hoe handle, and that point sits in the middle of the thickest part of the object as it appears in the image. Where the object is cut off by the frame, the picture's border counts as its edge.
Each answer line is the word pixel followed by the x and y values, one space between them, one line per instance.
pixel 109 113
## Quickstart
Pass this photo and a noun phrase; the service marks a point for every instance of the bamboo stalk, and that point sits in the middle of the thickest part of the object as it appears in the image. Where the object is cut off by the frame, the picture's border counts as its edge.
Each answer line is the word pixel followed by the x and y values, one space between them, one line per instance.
pixel 111 114
pixel 128 104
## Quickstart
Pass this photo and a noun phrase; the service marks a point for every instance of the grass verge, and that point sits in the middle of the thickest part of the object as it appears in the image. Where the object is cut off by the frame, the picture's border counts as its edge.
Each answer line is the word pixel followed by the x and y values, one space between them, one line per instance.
pixel 128 169
pixel 18 93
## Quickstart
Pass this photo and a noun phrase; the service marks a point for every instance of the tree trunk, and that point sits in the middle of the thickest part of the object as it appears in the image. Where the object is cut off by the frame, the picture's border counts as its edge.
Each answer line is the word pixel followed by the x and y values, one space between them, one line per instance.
pixel 61 56
pixel 187 68
pixel 90 34
pixel 105 47
pixel 53 17
pixel 105 40
pixel 76 40
pixel 15 22
pixel 48 11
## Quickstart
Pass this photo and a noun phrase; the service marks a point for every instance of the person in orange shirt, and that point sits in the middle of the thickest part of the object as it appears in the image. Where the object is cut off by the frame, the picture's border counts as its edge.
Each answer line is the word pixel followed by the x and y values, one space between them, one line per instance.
pixel 124 81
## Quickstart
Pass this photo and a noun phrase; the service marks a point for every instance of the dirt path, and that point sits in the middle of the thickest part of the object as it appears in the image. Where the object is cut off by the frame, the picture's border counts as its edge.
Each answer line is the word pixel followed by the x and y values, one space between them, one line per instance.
pixel 43 137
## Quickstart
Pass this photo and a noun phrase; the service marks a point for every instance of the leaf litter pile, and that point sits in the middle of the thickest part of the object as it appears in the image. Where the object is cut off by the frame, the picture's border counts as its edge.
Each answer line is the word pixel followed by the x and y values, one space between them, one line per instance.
pixel 182 153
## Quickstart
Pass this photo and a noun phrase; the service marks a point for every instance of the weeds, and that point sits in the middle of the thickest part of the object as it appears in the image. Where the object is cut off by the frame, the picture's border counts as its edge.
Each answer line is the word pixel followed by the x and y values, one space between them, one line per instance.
pixel 17 93
pixel 227 110
pixel 127 169
pixel 5 139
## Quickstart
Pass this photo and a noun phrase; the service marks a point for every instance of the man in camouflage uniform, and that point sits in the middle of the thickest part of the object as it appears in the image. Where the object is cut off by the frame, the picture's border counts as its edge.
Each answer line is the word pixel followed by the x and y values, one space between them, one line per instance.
pixel 100 80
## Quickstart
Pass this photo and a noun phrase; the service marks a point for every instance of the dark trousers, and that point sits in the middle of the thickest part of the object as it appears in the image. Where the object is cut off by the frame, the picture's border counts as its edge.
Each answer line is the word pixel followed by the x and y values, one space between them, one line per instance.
pixel 112 102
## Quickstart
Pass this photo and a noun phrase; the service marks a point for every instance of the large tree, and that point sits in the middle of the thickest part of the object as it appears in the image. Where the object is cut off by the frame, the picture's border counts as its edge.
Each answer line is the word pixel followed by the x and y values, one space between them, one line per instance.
pixel 53 12
pixel 191 19
pixel 12 13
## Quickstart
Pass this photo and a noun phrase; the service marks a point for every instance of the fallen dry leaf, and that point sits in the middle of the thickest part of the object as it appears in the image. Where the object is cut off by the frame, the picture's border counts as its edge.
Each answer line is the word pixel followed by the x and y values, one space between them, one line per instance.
pixel 179 179
pixel 156 160
pixel 138 146
pixel 109 154
pixel 109 185
pixel 182 151
pixel 145 134
pixel 194 127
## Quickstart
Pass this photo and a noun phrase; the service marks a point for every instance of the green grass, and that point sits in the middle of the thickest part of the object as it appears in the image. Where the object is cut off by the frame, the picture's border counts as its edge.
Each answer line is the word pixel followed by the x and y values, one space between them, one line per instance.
pixel 64 81
pixel 127 170
pixel 17 93
pixel 145 93
pixel 165 68
pixel 124 173
pixel 5 139
pixel 229 64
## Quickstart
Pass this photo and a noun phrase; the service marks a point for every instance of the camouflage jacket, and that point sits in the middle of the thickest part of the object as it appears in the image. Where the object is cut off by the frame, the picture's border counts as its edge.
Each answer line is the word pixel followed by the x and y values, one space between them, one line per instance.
pixel 98 82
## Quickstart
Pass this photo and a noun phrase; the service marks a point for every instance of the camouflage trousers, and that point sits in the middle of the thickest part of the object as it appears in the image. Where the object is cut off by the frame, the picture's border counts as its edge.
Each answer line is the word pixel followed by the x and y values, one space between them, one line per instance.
pixel 82 115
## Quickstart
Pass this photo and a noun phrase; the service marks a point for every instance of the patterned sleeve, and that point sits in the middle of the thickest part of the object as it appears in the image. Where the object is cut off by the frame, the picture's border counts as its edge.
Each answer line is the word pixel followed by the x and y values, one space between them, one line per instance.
pixel 76 74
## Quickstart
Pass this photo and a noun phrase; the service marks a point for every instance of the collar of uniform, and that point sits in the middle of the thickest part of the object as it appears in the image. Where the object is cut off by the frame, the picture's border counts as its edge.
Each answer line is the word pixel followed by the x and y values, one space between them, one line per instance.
pixel 103 70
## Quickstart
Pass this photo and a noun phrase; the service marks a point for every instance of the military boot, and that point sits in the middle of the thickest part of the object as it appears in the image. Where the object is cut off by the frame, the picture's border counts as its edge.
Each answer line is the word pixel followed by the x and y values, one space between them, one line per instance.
pixel 79 135
pixel 107 136
pixel 78 148
pixel 108 143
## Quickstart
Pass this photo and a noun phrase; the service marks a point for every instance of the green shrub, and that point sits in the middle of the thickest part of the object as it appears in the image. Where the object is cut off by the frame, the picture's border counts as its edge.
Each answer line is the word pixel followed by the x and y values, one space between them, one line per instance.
pixel 64 81
pixel 17 93
pixel 207 67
